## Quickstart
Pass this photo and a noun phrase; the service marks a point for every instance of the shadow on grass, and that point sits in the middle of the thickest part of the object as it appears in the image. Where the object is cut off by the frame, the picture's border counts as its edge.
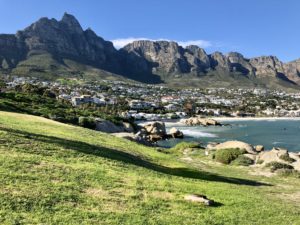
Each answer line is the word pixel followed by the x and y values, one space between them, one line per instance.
pixel 130 159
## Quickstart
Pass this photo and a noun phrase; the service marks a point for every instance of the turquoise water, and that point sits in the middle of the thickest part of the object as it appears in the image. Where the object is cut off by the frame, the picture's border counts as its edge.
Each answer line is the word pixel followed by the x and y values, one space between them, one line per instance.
pixel 269 133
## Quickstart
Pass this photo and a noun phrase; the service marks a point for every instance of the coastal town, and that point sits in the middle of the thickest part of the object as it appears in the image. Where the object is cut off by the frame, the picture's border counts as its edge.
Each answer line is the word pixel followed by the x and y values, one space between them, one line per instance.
pixel 158 102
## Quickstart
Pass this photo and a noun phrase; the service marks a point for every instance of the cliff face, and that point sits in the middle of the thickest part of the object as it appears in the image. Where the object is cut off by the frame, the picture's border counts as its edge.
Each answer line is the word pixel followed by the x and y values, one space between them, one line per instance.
pixel 168 58
pixel 292 71
pixel 146 61
pixel 62 39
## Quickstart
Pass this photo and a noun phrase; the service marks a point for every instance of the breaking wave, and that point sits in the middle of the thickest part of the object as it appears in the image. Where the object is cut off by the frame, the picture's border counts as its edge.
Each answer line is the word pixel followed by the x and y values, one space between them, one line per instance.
pixel 193 133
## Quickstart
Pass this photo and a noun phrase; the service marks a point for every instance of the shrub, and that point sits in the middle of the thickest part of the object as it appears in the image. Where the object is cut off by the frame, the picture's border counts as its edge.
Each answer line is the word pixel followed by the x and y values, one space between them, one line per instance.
pixel 260 161
pixel 277 165
pixel 184 145
pixel 87 122
pixel 226 156
pixel 288 173
pixel 287 158
pixel 242 160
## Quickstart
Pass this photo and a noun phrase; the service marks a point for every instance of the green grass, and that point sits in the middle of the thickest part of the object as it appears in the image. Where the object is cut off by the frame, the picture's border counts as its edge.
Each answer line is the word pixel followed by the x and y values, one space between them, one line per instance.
pixel 53 173
pixel 180 147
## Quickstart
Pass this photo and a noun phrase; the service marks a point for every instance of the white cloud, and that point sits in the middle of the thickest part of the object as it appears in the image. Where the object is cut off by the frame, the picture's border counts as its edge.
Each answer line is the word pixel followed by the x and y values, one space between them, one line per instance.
pixel 121 42
pixel 200 43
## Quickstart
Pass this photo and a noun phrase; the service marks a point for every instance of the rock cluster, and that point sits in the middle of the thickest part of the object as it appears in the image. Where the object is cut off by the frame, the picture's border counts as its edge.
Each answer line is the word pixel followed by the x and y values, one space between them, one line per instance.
pixel 156 131
pixel 194 121
pixel 235 144
pixel 257 153
pixel 109 127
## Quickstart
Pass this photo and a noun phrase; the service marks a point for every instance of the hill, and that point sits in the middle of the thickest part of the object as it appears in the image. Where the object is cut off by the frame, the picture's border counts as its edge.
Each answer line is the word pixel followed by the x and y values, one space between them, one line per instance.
pixel 52 49
pixel 53 173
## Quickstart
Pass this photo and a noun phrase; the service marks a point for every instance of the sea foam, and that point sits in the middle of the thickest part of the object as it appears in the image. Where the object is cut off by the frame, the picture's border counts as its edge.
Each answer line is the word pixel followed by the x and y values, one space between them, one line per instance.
pixel 193 133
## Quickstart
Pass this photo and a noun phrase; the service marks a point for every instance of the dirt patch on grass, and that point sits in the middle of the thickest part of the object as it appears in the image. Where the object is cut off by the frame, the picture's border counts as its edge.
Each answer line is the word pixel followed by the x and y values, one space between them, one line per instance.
pixel 261 172
pixel 290 197
pixel 97 192
pixel 161 195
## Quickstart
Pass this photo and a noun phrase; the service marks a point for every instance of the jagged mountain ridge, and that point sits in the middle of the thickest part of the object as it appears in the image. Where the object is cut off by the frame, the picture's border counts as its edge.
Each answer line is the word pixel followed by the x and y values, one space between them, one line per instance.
pixel 49 45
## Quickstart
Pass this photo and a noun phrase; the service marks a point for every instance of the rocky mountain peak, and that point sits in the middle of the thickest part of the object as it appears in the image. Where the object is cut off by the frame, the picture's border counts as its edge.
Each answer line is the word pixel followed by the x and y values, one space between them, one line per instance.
pixel 71 23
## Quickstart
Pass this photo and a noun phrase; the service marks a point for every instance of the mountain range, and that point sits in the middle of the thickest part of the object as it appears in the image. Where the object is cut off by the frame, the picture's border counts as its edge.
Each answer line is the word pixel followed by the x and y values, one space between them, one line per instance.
pixel 54 49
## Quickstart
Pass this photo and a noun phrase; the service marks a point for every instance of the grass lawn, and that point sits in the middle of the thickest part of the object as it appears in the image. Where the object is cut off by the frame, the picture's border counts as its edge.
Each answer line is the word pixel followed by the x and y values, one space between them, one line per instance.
pixel 53 173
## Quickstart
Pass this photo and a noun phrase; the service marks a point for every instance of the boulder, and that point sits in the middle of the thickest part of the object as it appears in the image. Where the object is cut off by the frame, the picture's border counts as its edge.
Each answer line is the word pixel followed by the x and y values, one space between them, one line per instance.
pixel 156 128
pixel 133 137
pixel 175 133
pixel 251 156
pixel 212 145
pixel 259 148
pixel 107 126
pixel 154 137
pixel 236 144
pixel 128 127
pixel 199 198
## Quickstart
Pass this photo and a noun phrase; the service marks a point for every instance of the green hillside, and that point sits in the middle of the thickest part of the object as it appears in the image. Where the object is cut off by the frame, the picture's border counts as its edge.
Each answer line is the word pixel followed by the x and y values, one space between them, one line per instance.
pixel 53 173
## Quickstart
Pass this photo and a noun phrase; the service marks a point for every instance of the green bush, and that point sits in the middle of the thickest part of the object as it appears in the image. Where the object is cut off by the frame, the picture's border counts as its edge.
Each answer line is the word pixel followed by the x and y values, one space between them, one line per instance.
pixel 184 145
pixel 242 160
pixel 288 173
pixel 277 165
pixel 287 158
pixel 260 161
pixel 226 156
pixel 87 122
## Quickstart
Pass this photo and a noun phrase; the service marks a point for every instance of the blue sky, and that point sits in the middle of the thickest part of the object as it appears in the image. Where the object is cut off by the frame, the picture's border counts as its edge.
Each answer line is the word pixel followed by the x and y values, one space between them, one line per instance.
pixel 252 27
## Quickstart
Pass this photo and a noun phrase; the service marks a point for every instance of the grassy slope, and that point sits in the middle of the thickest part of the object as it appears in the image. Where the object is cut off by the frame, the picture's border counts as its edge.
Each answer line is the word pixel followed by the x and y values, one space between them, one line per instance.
pixel 53 173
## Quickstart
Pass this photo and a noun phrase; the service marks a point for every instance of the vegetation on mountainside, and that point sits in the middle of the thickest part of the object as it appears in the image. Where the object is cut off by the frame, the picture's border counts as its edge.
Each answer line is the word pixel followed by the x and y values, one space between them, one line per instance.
pixel 41 101
pixel 53 173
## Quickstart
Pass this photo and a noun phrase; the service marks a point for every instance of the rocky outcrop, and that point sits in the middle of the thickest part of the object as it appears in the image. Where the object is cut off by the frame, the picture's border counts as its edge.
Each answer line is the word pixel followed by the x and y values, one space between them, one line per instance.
pixel 279 155
pixel 259 148
pixel 156 131
pixel 107 126
pixel 62 39
pixel 235 144
pixel 292 71
pixel 133 137
pixel 158 57
pixel 195 121
pixel 156 128
pixel 267 66
pixel 175 133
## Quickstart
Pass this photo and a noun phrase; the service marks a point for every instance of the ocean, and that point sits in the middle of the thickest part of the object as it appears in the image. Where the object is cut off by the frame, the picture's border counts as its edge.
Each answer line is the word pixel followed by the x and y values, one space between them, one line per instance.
pixel 269 133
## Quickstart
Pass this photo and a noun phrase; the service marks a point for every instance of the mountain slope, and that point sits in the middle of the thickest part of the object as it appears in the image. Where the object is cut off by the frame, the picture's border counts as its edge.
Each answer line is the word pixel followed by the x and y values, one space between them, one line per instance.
pixel 46 48
pixel 54 173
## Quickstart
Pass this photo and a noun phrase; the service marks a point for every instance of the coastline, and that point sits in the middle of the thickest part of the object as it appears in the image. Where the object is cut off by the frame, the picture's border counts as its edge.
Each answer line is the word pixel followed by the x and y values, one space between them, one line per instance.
pixel 177 122
pixel 253 118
